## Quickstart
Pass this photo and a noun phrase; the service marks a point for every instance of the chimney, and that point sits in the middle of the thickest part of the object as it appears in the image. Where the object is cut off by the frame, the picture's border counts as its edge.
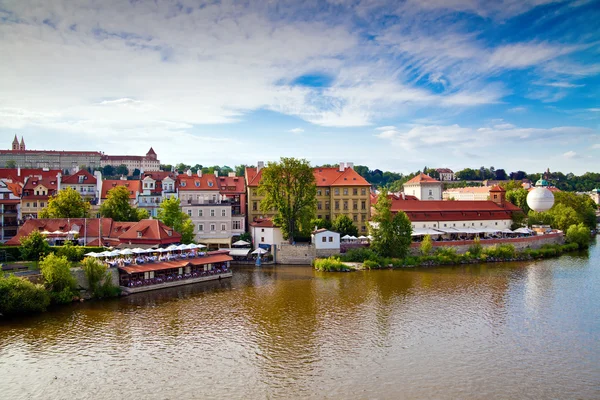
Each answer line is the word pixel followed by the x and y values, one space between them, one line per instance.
pixel 199 173
pixel 231 174
pixel 58 181
pixel 403 196
pixel 342 166
pixel 216 174
pixel 123 178
pixel 18 171
pixel 188 172
pixel 260 165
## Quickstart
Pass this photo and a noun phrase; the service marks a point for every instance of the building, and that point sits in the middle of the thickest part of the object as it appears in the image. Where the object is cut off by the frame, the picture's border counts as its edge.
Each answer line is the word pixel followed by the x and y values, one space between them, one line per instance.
pixel 148 233
pixel 467 193
pixel 340 191
pixel 424 187
pixel 10 203
pixel 265 234
pixel 146 163
pixel 216 216
pixel 595 195
pixel 87 185
pixel 62 160
pixel 156 186
pixel 495 213
pixel 35 195
pixel 445 174
pixel 18 175
pixel 134 187
pixel 324 239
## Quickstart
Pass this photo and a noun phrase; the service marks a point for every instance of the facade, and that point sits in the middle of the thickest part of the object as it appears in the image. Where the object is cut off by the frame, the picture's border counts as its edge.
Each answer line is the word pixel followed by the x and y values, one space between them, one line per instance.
pixel 595 195
pixel 214 214
pixel 156 187
pixel 340 191
pixel 445 174
pixel 10 203
pixel 265 234
pixel 134 187
pixel 326 239
pixel 35 195
pixel 63 160
pixel 148 233
pixel 467 193
pixel 146 163
pixel 424 187
pixel 87 185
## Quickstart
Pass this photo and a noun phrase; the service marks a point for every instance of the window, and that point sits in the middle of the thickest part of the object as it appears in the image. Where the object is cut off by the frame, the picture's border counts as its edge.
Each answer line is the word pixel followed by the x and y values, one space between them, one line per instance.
pixel 481 224
pixel 262 230
pixel 319 205
pixel 430 192
pixel 355 205
pixel 35 203
pixel 345 192
pixel 139 234
pixel 254 205
pixel 189 212
pixel 262 239
pixel 213 227
pixel 236 225
pixel 42 204
pixel 182 183
pixel 496 223
pixel 223 212
pixel 28 204
pixel 345 204
pixel 363 205
pixel 495 197
pixel 355 191
pixel 330 239
pixel 336 192
pixel 200 213
pixel 212 212
pixel 223 227
pixel 337 204
pixel 170 232
pixel 363 191
pixel 355 218
pixel 444 225
pixel 363 217
pixel 319 191
pixel 326 192
pixel 200 227
pixel 324 239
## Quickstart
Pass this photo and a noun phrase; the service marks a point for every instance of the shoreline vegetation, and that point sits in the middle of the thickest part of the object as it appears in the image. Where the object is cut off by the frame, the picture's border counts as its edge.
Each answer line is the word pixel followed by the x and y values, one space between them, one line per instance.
pixel 367 259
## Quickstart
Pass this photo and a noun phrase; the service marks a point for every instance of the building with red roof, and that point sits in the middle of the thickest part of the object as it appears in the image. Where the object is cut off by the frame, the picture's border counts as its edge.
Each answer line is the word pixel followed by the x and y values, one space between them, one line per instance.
pixel 134 187
pixel 340 191
pixel 87 185
pixel 149 162
pixel 445 174
pixel 424 187
pixel 156 186
pixel 10 202
pixel 35 195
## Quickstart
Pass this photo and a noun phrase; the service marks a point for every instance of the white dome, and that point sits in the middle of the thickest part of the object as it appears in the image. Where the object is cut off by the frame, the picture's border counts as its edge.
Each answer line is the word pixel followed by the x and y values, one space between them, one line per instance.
pixel 540 199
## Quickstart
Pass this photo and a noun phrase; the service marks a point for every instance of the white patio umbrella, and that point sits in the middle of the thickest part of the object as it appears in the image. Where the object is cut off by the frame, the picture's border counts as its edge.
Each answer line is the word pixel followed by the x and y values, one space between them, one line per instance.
pixel 58 232
pixel 172 247
pixel 126 252
pixel 190 246
pixel 241 243
pixel 259 251
pixel 361 237
pixel 353 237
pixel 182 247
pixel 138 251
pixel 346 237
pixel 73 232
pixel 103 254
pixel 114 253
pixel 45 232
pixel 370 237
pixel 95 255
pixel 200 246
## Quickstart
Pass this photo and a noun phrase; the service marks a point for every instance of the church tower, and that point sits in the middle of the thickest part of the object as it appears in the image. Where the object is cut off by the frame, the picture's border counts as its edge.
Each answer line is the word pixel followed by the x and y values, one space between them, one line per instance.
pixel 15 143
pixel 22 145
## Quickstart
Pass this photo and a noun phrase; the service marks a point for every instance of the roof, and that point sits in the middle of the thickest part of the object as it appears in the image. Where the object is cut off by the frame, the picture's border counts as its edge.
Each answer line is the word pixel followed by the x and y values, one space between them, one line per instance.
pixel 322 230
pixel 74 179
pixel 210 259
pixel 195 182
pixel 323 177
pixel 471 189
pixel 497 188
pixel 448 206
pixel 152 230
pixel 13 173
pixel 15 188
pixel 151 152
pixel 232 184
pixel 33 182
pixel 444 171
pixel 59 152
pixel 89 227
pixel 133 186
pixel 160 175
pixel 458 216
pixel 263 223
pixel 422 178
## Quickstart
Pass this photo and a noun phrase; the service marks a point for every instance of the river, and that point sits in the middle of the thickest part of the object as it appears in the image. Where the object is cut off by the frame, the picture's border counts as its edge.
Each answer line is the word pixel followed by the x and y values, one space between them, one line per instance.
pixel 494 331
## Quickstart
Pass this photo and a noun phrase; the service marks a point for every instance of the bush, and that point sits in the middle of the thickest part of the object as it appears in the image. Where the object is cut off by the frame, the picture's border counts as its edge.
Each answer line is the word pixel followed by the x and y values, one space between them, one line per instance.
pixel 34 247
pixel 370 264
pixel 20 296
pixel 359 255
pixel 426 245
pixel 476 248
pixel 579 235
pixel 331 264
pixel 13 253
pixel 72 253
pixel 56 271
pixel 99 279
pixel 502 251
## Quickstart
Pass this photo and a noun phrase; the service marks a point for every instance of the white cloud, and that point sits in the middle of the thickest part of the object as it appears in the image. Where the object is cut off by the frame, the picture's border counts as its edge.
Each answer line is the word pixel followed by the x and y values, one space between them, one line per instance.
pixel 571 154
pixel 564 85
pixel 517 109
pixel 296 130
pixel 596 146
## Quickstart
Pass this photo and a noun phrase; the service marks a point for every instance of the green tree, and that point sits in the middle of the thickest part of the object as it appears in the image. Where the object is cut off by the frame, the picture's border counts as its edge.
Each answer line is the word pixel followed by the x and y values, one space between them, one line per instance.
pixel 240 170
pixel 166 167
pixel 518 197
pixel 136 172
pixel 11 164
pixel 289 187
pixel 117 207
pixel 171 215
pixel 563 217
pixel 320 223
pixel 579 234
pixel 20 296
pixel 99 278
pixel 108 170
pixel 68 203
pixel 141 213
pixel 181 167
pixel 512 185
pixel 72 253
pixel 583 205
pixel 56 271
pixel 391 233
pixel 34 246
pixel 122 170
pixel 246 236
pixel 344 226
pixel 426 245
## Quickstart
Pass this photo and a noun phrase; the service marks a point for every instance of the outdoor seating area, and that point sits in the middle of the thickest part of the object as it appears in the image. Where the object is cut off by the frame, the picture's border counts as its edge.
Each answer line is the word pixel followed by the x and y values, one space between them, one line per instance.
pixel 172 275
pixel 354 239
pixel 469 233
pixel 126 257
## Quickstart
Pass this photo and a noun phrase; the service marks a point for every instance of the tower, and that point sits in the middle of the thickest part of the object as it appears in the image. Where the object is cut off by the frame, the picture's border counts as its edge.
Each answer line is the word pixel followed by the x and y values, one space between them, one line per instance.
pixel 22 145
pixel 498 195
pixel 15 143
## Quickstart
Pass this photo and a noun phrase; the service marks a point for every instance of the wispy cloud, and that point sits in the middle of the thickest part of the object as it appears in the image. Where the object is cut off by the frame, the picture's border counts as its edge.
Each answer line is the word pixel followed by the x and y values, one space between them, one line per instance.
pixel 296 130
pixel 571 155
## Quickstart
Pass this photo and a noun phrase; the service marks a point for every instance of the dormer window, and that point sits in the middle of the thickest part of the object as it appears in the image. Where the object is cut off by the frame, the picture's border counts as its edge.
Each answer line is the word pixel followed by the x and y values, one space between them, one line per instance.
pixel 182 183
pixel 139 234
pixel 170 232
pixel 210 183
pixel 197 184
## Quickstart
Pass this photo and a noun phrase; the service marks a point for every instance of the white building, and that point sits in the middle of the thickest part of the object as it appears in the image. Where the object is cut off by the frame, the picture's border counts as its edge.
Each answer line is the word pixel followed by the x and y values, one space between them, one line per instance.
pixel 149 162
pixel 467 193
pixel 446 174
pixel 324 239
pixel 424 187
pixel 265 234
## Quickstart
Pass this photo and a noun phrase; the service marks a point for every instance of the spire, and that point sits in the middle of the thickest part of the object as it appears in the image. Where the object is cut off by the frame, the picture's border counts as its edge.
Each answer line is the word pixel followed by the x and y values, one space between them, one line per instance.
pixel 15 143
pixel 22 145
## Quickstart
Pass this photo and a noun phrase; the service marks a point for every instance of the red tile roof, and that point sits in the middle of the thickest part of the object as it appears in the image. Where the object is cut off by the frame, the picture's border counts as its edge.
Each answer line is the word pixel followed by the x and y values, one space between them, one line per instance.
pixel 62 152
pixel 477 189
pixel 12 173
pixel 132 186
pixel 444 171
pixel 195 182
pixel 323 177
pixel 152 230
pixel 88 179
pixel 15 188
pixel 237 183
pixel 89 227
pixel 160 175
pixel 422 178
pixel 263 223
pixel 151 152
pixel 33 182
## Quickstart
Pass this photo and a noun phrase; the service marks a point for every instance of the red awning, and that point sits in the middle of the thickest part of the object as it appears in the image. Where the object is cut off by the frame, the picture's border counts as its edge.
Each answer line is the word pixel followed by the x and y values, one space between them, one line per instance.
pixel 217 258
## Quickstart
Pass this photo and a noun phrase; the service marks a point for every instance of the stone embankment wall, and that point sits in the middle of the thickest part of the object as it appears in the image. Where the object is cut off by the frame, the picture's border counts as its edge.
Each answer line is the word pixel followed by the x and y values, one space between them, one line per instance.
pixel 532 242
pixel 301 254
pixel 83 283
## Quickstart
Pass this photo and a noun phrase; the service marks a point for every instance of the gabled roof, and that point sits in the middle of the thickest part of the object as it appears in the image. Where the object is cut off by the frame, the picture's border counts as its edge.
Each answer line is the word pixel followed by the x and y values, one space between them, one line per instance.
pixel 133 186
pixel 88 179
pixel 33 182
pixel 263 223
pixel 152 230
pixel 195 182
pixel 12 173
pixel 422 178
pixel 497 188
pixel 89 227
pixel 323 177
pixel 151 152
pixel 444 171
pixel 160 175
pixel 237 182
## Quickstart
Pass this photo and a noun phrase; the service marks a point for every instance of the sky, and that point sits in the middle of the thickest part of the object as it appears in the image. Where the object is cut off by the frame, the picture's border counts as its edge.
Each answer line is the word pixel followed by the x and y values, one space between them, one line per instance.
pixel 394 85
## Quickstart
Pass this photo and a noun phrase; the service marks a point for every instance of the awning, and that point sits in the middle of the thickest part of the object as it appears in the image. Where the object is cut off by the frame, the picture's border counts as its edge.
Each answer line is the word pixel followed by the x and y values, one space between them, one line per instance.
pixel 239 252
pixel 131 269
pixel 425 231
pixel 226 241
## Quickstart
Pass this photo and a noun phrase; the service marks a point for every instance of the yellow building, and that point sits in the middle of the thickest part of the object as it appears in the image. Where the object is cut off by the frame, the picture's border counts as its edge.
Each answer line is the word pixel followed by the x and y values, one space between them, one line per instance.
pixel 340 191
pixel 35 195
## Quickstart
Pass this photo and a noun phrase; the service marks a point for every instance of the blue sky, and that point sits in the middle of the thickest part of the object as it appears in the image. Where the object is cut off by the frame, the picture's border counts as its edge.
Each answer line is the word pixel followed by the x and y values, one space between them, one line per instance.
pixel 512 84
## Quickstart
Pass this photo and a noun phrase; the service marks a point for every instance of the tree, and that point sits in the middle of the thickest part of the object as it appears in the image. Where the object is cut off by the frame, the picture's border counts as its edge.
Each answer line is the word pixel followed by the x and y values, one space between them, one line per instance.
pixel 501 174
pixel 56 271
pixel 518 197
pixel 20 296
pixel 34 246
pixel 181 167
pixel 166 167
pixel 426 245
pixel 579 234
pixel 68 203
pixel 344 226
pixel 171 215
pixel 141 213
pixel 511 185
pixel 563 217
pixel 320 223
pixel 391 233
pixel 122 170
pixel 108 170
pixel 289 187
pixel 136 172
pixel 11 164
pixel 117 207
pixel 99 278
pixel 240 170
pixel 583 205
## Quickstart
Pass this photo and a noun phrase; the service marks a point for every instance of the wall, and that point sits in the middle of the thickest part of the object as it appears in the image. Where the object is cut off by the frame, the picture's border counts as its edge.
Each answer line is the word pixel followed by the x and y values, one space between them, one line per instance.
pixel 319 244
pixel 532 242
pixel 295 254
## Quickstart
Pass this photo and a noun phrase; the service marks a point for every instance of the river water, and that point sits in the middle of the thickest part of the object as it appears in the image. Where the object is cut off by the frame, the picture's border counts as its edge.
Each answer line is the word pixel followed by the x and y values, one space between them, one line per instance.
pixel 495 331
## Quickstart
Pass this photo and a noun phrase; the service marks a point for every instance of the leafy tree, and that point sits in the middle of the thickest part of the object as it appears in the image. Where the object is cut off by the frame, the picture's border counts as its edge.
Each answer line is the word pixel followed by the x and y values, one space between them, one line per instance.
pixel 122 170
pixel 501 174
pixel 11 164
pixel 518 176
pixel 246 236
pixel 108 170
pixel 166 167
pixel 68 203
pixel 518 197
pixel 391 233
pixel 344 226
pixel 289 187
pixel 225 170
pixel 539 218
pixel 579 234
pixel 171 215
pixel 563 217
pixel 195 168
pixel 426 245
pixel 141 213
pixel 99 278
pixel 320 223
pixel 583 205
pixel 20 296
pixel 34 246
pixel 181 167
pixel 56 271
pixel 511 185
pixel 117 207
pixel 136 172
pixel 240 170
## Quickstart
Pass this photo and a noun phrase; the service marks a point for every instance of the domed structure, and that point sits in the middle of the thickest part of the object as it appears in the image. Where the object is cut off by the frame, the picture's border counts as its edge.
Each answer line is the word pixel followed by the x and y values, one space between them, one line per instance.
pixel 540 199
